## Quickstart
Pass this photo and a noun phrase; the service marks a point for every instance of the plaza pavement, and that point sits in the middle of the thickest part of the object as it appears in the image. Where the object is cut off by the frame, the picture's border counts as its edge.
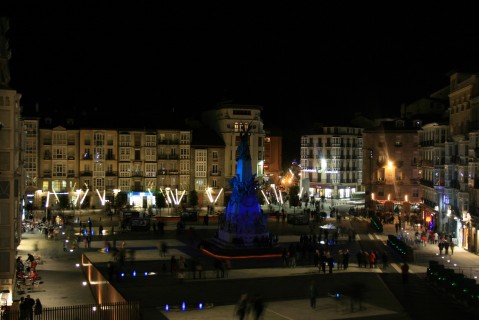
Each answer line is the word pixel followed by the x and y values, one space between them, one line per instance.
pixel 63 280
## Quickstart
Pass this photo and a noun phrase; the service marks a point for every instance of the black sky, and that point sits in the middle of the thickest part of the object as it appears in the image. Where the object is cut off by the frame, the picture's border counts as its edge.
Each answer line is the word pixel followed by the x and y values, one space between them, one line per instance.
pixel 314 61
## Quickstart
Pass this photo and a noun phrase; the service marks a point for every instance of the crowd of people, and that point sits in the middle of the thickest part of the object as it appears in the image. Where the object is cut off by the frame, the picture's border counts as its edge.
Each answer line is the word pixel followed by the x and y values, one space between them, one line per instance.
pixel 26 272
pixel 30 308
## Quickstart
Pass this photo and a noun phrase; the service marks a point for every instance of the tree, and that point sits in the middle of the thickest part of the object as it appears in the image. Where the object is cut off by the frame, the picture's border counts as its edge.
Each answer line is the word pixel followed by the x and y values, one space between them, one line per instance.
pixel 121 200
pixel 64 201
pixel 160 200
pixel 293 196
pixel 193 198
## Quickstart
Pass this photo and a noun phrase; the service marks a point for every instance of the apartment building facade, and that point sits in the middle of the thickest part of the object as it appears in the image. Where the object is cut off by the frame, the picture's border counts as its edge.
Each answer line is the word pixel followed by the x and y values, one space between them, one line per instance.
pixel 332 162
pixel 12 185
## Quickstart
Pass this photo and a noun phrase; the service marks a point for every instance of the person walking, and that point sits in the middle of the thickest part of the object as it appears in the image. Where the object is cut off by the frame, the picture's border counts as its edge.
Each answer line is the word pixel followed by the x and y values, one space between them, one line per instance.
pixel 313 294
pixel 38 308
pixel 242 306
pixel 29 304
pixel 359 258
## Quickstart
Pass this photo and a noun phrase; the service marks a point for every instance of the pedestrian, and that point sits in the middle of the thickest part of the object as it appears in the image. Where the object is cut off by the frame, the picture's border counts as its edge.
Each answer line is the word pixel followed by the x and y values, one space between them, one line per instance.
pixel 258 307
pixel 346 256
pixel 359 257
pixel 405 272
pixel 242 306
pixel 164 249
pixel 181 269
pixel 100 230
pixel 451 246
pixel 173 266
pixel 206 220
pixel 446 246
pixel 441 246
pixel 29 304
pixel 219 267
pixel 23 309
pixel 313 294
pixel 38 308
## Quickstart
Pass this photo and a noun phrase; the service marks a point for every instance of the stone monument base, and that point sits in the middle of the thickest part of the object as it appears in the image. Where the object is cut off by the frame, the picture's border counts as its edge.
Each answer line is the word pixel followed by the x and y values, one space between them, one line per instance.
pixel 226 246
pixel 247 239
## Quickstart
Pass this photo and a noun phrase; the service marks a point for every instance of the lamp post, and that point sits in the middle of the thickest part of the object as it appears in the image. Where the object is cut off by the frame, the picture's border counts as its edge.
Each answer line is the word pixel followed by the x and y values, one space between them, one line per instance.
pixel 370 182
pixel 168 200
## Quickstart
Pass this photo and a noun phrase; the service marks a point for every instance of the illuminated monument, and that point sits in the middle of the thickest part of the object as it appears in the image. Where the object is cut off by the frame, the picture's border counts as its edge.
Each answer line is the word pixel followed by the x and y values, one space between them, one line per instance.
pixel 243 220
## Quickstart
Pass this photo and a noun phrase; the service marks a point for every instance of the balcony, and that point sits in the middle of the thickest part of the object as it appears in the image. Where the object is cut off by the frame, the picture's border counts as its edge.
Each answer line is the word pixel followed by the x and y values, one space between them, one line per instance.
pixel 86 173
pixel 173 171
pixel 111 173
pixel 169 141
pixel 215 173
pixel 137 173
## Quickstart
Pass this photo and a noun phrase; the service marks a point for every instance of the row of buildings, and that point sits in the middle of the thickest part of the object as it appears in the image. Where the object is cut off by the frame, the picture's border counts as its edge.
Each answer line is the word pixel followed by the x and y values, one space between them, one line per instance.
pixel 424 163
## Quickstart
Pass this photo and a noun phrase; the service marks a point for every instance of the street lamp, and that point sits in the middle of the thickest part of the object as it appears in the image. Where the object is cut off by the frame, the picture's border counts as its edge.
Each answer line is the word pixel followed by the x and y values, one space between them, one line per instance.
pixel 370 154
pixel 168 199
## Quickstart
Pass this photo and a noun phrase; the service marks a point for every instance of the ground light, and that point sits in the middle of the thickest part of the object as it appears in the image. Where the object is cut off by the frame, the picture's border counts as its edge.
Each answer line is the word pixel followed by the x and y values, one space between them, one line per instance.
pixel 184 307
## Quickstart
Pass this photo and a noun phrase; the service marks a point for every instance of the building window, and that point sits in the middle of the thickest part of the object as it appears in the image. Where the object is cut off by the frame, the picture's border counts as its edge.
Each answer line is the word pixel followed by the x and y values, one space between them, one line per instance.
pixel 125 154
pixel 184 138
pixel 150 140
pixel 200 163
pixel 184 153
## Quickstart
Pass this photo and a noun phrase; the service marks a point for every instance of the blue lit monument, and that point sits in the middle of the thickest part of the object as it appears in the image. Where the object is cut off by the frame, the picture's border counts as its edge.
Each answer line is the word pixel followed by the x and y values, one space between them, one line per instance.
pixel 243 220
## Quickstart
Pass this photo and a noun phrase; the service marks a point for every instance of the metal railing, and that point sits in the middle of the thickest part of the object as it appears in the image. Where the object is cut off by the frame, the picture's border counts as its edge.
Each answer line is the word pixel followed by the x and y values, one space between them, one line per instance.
pixel 105 311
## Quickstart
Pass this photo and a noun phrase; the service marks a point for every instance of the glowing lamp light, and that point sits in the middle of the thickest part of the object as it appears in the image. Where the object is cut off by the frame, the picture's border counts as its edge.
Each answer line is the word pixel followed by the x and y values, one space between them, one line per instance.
pixel 134 273
pixel 183 306
pixel 122 274
pixel 146 274
pixel 200 306
pixel 428 219
pixel 84 283
pixel 167 307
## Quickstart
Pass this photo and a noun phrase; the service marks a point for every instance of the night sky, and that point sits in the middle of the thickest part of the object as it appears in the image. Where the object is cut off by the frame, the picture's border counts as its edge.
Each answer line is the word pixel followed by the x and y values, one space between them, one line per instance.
pixel 300 62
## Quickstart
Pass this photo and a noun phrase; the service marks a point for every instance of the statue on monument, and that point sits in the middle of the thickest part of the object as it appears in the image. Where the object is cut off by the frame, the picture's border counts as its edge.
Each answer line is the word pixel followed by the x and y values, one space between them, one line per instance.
pixel 243 214
pixel 243 148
